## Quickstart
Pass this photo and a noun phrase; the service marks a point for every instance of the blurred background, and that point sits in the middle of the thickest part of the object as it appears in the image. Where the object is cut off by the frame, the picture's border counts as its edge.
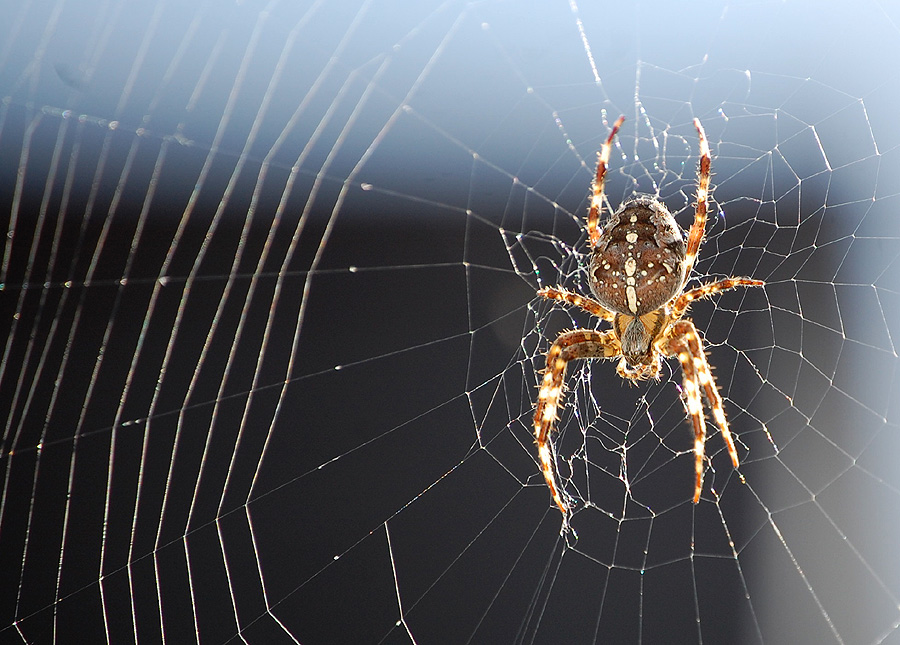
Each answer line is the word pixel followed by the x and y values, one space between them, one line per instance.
pixel 270 332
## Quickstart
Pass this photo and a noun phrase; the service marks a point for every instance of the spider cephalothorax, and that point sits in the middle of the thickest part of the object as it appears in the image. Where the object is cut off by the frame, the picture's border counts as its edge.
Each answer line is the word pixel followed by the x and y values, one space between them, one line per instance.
pixel 639 266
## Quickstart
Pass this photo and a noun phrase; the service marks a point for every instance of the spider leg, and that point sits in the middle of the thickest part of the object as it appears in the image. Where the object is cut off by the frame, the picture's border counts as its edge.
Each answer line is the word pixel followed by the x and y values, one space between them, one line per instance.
pixel 698 228
pixel 593 219
pixel 588 304
pixel 570 345
pixel 684 300
pixel 686 344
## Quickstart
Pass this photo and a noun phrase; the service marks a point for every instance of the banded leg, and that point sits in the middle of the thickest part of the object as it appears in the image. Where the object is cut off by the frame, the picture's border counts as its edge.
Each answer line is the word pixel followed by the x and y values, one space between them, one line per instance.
pixel 593 219
pixel 570 345
pixel 686 344
pixel 588 304
pixel 698 228
pixel 684 300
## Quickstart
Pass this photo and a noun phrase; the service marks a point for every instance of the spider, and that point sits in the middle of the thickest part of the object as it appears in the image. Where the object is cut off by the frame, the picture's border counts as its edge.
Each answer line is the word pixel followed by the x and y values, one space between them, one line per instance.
pixel 639 265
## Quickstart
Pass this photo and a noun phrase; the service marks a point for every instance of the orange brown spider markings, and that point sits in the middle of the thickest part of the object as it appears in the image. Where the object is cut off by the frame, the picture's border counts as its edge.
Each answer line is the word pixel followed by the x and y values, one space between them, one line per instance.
pixel 593 218
pixel 686 344
pixel 640 263
pixel 637 266
pixel 684 300
pixel 578 343
pixel 564 295
pixel 698 228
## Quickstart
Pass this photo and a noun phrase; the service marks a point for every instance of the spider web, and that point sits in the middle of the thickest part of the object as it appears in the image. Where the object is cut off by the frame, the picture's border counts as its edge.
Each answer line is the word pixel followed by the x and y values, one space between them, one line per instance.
pixel 271 332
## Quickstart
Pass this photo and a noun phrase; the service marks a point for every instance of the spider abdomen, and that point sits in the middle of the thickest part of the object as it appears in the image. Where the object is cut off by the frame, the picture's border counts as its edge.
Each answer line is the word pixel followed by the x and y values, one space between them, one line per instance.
pixel 637 265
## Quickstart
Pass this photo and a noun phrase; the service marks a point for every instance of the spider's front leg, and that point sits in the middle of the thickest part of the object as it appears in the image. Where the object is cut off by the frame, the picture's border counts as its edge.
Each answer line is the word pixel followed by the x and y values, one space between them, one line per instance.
pixel 685 343
pixel 580 343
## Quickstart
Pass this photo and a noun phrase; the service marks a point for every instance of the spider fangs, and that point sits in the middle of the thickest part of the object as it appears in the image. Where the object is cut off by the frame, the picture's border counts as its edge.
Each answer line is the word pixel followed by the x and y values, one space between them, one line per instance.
pixel 640 263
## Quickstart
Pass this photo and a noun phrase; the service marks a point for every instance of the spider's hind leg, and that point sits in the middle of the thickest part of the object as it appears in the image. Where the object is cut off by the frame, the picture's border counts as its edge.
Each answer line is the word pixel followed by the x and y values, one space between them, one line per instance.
pixel 593 219
pixel 698 228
